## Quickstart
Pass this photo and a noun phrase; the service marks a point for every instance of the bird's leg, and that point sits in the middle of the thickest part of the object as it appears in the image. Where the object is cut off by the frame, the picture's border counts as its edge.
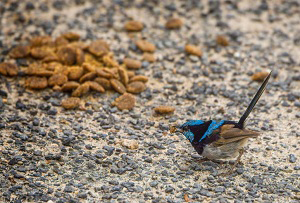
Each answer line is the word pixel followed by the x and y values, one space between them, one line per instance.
pixel 241 152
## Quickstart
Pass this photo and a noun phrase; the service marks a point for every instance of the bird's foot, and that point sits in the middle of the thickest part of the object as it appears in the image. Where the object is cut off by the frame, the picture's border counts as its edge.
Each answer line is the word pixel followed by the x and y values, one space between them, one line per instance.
pixel 238 160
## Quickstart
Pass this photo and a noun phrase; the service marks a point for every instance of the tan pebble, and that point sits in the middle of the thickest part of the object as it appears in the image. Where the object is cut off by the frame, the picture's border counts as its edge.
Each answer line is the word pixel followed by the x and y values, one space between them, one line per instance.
pixel 98 48
pixel 126 101
pixel 164 109
pixel 68 86
pixel 41 41
pixel 96 87
pixel 118 86
pixel 130 144
pixel 193 50
pixel 36 82
pixel 136 87
pixel 71 36
pixel 102 73
pixel 88 76
pixel 141 78
pixel 123 76
pixel 259 76
pixel 103 82
pixel 80 58
pixel 61 41
pixel 67 55
pixel 222 40
pixel 133 26
pixel 149 57
pixel 75 73
pixel 70 103
pixel 81 90
pixel 174 23
pixel 8 69
pixel 131 63
pixel 145 46
pixel 20 51
pixel 57 79
pixel 130 74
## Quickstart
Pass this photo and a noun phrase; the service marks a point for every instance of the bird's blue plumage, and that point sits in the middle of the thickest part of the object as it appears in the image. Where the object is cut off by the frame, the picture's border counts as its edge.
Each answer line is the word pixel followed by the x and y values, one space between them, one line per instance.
pixel 192 123
pixel 198 130
pixel 213 126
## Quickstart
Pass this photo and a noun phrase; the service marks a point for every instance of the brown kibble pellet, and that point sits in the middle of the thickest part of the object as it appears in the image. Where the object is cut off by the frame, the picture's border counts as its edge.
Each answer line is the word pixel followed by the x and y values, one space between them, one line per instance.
pixel 40 52
pixel 145 46
pixel 222 40
pixel 36 82
pixel 57 79
pixel 164 109
pixel 70 103
pixel 80 58
pixel 71 36
pixel 38 70
pixel 88 76
pixel 133 26
pixel 41 41
pixel 173 129
pixel 88 67
pixel 118 86
pixel 52 57
pixel 141 78
pixel 75 73
pixel 259 76
pixel 174 23
pixel 131 63
pixel 130 74
pixel 61 41
pixel 109 61
pixel 126 101
pixel 149 57
pixel 136 87
pixel 8 69
pixel 68 86
pixel 67 55
pixel 123 76
pixel 81 90
pixel 95 86
pixel 193 50
pixel 56 88
pixel 102 73
pixel 98 48
pixel 103 82
pixel 20 51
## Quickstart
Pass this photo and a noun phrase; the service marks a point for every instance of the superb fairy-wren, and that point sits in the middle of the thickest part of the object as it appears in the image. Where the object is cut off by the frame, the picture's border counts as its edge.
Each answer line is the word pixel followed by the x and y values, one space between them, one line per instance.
pixel 217 140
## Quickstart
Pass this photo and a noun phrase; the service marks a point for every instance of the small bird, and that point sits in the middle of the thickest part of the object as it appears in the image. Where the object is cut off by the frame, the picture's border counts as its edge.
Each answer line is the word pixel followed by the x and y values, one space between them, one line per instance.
pixel 217 140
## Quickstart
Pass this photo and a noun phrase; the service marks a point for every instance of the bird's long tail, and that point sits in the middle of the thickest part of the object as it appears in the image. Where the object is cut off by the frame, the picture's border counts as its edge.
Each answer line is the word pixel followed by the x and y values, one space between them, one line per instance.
pixel 254 101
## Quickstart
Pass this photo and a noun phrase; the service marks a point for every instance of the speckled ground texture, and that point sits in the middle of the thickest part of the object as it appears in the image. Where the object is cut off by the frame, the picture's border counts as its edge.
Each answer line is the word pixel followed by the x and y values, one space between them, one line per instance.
pixel 52 155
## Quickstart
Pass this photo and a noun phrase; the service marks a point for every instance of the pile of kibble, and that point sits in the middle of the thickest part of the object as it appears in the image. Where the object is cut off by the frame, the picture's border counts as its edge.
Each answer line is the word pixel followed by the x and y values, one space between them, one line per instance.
pixel 69 65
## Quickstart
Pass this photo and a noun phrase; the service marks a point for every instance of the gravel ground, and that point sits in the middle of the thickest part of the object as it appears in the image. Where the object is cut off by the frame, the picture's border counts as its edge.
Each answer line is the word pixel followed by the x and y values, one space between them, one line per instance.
pixel 49 154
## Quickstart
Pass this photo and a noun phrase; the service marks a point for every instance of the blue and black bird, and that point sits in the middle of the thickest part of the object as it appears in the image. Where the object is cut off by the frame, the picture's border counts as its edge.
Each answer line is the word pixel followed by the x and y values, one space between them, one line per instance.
pixel 217 140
